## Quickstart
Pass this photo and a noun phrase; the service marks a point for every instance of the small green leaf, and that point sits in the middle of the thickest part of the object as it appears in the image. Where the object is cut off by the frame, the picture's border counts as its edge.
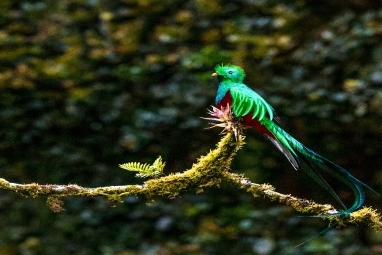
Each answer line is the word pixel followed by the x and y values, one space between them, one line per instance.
pixel 145 170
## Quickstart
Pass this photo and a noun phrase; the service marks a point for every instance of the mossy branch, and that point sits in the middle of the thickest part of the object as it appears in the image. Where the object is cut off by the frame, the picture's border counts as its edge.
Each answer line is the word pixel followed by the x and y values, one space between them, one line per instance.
pixel 210 170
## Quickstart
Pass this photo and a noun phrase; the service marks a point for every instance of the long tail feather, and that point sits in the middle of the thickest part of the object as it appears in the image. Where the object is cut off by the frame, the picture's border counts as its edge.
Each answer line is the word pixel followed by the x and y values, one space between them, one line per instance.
pixel 314 172
pixel 291 158
pixel 316 165
pixel 324 165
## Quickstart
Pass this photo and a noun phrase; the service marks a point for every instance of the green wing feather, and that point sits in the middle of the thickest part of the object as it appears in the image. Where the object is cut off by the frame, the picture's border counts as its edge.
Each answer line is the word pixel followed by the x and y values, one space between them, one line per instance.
pixel 245 101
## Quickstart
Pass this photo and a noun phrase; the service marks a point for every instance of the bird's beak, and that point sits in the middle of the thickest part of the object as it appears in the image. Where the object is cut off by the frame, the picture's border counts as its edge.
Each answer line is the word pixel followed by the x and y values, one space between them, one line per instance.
pixel 214 74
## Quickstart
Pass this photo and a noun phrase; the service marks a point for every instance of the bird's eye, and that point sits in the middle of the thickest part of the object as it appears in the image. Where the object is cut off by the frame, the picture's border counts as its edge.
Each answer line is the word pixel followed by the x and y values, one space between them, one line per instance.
pixel 230 72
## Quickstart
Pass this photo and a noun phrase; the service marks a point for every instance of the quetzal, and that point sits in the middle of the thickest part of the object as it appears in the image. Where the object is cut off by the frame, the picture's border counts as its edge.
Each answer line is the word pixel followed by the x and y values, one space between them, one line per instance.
pixel 253 111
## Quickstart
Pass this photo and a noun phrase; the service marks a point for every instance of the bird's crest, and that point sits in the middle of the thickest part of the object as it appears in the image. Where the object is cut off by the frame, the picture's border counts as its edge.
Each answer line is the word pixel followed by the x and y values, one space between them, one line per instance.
pixel 230 72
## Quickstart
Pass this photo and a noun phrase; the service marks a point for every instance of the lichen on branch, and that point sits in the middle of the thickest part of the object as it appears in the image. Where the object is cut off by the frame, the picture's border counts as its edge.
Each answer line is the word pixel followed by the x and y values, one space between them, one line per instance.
pixel 205 173
pixel 210 170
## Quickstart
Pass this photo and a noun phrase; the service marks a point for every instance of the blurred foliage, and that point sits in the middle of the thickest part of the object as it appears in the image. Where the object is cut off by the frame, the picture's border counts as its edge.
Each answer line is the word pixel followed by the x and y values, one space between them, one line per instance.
pixel 88 85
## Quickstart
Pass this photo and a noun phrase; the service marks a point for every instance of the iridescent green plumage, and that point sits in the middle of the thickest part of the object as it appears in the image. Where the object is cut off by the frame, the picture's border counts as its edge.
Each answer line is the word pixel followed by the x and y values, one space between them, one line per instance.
pixel 255 112
pixel 245 100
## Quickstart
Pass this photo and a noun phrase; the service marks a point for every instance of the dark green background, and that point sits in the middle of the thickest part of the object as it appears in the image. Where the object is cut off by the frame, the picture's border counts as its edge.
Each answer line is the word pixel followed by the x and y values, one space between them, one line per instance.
pixel 87 85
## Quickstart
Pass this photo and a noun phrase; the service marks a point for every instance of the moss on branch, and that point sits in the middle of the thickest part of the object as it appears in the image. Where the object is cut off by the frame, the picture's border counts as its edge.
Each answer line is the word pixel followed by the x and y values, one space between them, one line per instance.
pixel 209 170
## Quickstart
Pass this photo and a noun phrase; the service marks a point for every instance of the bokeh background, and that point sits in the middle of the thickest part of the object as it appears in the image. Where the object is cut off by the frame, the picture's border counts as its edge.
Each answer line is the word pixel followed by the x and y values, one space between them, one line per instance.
pixel 88 85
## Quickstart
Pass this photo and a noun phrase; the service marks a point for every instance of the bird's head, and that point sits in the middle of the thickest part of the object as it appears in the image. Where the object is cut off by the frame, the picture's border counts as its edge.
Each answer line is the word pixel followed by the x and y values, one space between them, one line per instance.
pixel 229 73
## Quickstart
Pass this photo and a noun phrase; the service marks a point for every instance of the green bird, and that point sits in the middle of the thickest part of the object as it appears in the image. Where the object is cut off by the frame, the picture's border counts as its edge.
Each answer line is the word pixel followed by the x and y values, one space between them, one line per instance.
pixel 253 111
